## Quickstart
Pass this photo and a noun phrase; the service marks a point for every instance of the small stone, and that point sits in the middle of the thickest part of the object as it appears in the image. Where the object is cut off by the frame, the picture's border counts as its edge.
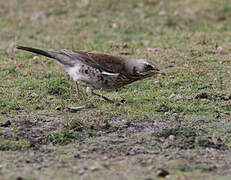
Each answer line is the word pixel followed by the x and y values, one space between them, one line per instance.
pixel 219 49
pixel 95 167
pixel 35 57
pixel 172 138
pixel 114 25
pixel 33 95
pixel 104 157
pixel 167 113
pixel 162 13
pixel 178 97
pixel 206 100
pixel 58 108
pixel 172 96
pixel 156 82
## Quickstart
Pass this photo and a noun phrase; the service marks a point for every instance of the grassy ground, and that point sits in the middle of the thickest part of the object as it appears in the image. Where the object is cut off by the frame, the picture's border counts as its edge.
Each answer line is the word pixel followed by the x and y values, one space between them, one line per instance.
pixel 180 122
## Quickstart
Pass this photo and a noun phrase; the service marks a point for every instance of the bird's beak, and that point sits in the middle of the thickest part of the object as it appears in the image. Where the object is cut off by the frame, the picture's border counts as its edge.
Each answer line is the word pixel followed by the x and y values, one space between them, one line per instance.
pixel 159 72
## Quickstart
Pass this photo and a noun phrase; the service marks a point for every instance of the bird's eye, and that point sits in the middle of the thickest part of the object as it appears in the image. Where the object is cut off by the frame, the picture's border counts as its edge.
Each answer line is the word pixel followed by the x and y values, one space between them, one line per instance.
pixel 149 67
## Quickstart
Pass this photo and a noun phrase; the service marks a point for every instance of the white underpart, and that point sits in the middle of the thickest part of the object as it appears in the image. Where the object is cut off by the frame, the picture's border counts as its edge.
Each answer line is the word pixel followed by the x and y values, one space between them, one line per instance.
pixel 72 71
pixel 89 80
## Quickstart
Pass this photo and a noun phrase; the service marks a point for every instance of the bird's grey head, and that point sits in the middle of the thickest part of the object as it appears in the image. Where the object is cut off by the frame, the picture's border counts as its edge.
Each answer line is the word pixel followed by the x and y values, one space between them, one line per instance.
pixel 143 67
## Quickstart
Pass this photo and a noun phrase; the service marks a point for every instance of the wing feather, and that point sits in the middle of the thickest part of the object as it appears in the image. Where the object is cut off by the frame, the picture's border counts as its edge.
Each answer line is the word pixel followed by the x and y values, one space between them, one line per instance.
pixel 109 63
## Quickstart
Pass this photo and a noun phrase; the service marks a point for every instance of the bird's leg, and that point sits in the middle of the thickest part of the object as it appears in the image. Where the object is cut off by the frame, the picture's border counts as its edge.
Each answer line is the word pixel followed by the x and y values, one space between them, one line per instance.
pixel 103 97
pixel 77 88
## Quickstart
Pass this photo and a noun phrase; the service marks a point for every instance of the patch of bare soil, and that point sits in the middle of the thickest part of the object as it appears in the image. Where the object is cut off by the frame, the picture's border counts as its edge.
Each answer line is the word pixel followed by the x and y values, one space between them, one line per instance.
pixel 30 128
pixel 98 144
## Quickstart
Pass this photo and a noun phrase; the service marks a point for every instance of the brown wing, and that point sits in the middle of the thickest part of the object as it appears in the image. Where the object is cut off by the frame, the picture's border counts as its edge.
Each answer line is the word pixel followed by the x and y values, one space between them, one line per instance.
pixel 106 62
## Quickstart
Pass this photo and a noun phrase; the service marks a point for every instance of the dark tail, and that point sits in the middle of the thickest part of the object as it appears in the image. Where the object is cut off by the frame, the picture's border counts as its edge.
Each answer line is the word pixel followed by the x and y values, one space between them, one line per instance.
pixel 37 51
pixel 60 57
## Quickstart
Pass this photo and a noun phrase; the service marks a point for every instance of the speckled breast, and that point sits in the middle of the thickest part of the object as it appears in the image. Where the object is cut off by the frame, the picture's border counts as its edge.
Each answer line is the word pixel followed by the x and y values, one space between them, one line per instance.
pixel 98 79
pixel 92 77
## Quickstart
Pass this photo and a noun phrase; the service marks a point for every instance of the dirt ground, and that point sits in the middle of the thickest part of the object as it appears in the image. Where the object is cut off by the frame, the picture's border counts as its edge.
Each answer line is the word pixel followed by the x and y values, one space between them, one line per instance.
pixel 112 148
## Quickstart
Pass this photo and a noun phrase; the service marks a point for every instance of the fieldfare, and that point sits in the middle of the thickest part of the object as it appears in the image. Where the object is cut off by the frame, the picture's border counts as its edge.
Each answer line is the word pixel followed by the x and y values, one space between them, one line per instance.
pixel 98 71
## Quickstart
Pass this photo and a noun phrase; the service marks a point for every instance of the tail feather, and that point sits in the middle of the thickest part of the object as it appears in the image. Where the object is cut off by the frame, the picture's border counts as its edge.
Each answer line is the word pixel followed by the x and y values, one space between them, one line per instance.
pixel 61 58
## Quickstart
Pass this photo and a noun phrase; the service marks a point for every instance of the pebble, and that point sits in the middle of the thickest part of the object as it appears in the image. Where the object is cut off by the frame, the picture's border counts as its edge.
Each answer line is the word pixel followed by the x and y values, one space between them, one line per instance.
pixel 219 49
pixel 172 138
pixel 35 57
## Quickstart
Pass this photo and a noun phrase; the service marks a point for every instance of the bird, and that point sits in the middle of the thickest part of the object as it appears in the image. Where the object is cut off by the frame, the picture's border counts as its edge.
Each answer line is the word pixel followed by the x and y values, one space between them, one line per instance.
pixel 99 71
